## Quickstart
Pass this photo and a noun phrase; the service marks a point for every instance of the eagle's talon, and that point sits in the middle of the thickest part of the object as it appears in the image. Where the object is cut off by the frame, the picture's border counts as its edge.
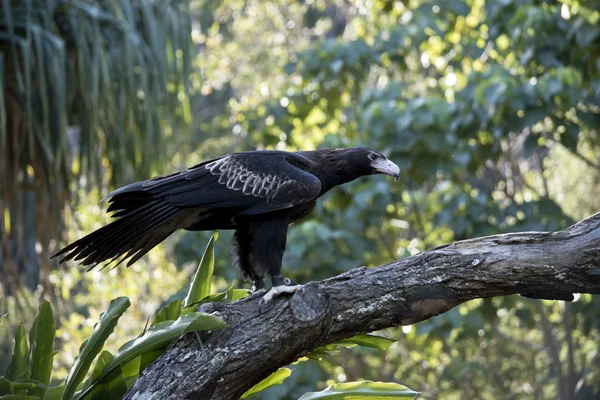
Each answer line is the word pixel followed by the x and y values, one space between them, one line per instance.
pixel 277 290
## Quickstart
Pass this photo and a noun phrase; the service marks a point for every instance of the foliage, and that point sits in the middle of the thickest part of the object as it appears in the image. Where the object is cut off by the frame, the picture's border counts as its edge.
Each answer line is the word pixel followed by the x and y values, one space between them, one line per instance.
pixel 30 370
pixel 276 378
pixel 84 85
pixel 31 363
pixel 362 390
pixel 491 108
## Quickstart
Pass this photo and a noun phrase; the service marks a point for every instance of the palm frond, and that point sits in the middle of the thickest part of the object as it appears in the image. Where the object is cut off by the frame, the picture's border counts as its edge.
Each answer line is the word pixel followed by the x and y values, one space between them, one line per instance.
pixel 87 85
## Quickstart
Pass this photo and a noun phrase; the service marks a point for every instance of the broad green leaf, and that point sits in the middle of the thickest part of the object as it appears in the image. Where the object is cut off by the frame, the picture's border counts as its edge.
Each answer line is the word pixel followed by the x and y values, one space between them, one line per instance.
pixel 54 393
pixel 370 340
pixel 103 359
pixel 170 312
pixel 91 347
pixel 365 390
pixel 235 294
pixel 200 286
pixel 19 397
pixel 131 368
pixel 275 378
pixel 158 337
pixel 113 385
pixel 148 358
pixel 41 340
pixel 19 364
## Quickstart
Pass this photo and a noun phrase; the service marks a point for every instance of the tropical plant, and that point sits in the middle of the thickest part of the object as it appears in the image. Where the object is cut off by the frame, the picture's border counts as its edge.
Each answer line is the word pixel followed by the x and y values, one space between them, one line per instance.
pixel 29 373
pixel 492 110
pixel 85 85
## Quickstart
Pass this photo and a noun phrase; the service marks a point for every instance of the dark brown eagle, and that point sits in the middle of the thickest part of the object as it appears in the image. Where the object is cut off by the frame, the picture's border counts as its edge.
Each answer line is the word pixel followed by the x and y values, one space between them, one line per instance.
pixel 256 193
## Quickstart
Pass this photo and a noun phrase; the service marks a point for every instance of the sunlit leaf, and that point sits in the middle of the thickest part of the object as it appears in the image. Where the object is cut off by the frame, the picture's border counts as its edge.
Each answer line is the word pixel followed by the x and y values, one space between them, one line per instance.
pixel 366 390
pixel 92 346
pixel 41 340
pixel 370 340
pixel 157 337
pixel 200 286
pixel 170 312
pixel 19 364
pixel 275 378
pixel 54 393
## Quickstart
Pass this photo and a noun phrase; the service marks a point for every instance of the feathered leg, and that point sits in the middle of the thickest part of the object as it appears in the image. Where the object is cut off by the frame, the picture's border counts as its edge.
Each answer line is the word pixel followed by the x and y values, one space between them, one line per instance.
pixel 241 256
pixel 267 244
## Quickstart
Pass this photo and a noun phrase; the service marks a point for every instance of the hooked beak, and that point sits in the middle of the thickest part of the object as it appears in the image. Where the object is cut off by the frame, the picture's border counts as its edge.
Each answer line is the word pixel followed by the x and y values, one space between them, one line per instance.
pixel 386 167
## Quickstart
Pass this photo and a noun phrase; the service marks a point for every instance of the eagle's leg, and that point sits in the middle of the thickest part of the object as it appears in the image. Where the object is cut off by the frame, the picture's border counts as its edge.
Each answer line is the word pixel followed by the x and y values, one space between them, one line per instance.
pixel 258 284
pixel 241 257
pixel 266 247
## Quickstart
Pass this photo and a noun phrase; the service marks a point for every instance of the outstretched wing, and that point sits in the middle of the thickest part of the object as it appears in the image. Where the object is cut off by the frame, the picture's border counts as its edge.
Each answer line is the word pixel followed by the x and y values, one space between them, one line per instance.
pixel 254 182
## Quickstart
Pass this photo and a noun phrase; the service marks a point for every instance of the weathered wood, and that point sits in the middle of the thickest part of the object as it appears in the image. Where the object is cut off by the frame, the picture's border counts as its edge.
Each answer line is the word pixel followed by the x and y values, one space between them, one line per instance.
pixel 258 340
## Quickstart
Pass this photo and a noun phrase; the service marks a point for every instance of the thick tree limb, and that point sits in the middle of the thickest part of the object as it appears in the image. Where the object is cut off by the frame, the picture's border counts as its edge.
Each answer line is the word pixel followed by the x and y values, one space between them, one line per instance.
pixel 257 340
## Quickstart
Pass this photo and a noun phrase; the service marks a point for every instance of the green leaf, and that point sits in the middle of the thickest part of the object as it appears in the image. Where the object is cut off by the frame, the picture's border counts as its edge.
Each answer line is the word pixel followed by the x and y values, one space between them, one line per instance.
pixel 103 359
pixel 275 378
pixel 170 312
pixel 148 358
pixel 217 298
pixel 41 340
pixel 200 286
pixel 157 337
pixel 323 351
pixel 26 384
pixel 54 393
pixel 91 347
pixel 5 386
pixel 113 386
pixel 19 364
pixel 235 294
pixel 370 340
pixel 18 397
pixel 131 368
pixel 365 390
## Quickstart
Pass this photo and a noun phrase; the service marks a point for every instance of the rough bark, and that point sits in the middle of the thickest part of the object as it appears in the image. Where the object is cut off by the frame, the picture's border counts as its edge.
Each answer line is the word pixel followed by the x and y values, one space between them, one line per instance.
pixel 258 340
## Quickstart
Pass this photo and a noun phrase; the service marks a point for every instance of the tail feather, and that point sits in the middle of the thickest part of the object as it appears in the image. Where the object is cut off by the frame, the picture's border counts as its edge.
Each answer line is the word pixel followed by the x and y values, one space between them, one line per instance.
pixel 124 234
pixel 139 234
pixel 106 231
pixel 141 224
pixel 151 241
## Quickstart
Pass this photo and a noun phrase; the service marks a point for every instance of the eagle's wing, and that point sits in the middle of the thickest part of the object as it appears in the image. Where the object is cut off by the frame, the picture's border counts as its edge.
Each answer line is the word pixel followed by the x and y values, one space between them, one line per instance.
pixel 253 182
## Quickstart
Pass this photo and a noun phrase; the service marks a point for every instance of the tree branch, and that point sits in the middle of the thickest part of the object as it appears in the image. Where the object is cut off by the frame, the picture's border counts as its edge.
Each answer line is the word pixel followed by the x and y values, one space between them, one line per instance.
pixel 258 340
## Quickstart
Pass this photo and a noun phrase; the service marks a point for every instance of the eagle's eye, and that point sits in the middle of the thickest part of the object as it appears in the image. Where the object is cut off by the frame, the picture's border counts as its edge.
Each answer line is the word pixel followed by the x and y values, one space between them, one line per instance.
pixel 372 156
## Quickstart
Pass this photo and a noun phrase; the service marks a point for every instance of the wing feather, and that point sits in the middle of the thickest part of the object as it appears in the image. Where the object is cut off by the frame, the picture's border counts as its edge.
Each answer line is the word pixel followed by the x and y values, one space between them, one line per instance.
pixel 255 182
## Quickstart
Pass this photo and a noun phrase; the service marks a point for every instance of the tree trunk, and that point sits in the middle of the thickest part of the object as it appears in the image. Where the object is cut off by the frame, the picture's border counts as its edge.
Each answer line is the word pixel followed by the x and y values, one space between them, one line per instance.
pixel 258 340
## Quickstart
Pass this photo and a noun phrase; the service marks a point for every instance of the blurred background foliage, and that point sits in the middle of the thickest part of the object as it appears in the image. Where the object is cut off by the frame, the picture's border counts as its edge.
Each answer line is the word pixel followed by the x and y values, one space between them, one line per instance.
pixel 491 109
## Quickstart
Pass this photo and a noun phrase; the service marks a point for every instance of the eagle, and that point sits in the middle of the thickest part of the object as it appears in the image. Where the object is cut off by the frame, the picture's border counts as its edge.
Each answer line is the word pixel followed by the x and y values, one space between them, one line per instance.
pixel 255 193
